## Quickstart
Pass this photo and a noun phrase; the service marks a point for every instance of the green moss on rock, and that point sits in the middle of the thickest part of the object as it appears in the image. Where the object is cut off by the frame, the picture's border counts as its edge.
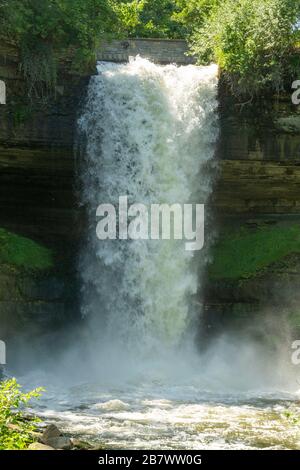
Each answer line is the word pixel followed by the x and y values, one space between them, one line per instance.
pixel 244 253
pixel 22 252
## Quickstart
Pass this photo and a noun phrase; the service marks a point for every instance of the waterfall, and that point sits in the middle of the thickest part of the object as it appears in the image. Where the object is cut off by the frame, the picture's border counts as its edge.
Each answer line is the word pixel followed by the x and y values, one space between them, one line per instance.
pixel 149 131
pixel 130 376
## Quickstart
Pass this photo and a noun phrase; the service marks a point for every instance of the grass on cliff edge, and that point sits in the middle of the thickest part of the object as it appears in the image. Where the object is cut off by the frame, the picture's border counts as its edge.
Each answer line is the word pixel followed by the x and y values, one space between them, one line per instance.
pixel 243 253
pixel 23 252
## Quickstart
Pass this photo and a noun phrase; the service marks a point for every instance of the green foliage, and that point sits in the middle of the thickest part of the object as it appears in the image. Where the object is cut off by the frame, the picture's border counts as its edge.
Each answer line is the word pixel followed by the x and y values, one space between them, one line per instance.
pixel 128 13
pixel 42 29
pixel 244 253
pixel 15 430
pixel 292 415
pixel 192 13
pixel 23 252
pixel 252 41
pixel 150 18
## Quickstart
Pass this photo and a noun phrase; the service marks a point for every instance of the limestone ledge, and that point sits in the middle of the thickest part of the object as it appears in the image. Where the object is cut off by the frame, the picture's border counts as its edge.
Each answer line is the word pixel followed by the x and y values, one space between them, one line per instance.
pixel 258 187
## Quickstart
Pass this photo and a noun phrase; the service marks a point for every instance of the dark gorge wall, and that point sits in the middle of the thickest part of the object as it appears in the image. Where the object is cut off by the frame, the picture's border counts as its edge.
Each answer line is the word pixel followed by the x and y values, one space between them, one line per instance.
pixel 36 154
pixel 38 204
pixel 256 260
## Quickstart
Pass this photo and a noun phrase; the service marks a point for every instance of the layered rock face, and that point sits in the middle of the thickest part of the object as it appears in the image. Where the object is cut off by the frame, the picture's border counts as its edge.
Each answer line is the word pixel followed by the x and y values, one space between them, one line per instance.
pixel 37 200
pixel 257 203
pixel 161 51
pixel 259 151
pixel 37 166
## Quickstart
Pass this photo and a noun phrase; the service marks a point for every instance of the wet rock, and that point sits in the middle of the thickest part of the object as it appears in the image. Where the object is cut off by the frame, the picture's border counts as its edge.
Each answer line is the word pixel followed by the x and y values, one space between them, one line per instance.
pixel 53 437
pixel 51 432
pixel 60 443
pixel 39 446
pixel 98 447
pixel 80 445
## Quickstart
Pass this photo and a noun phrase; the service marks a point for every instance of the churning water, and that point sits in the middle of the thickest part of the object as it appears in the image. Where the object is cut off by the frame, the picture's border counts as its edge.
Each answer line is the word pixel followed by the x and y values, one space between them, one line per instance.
pixel 162 415
pixel 149 133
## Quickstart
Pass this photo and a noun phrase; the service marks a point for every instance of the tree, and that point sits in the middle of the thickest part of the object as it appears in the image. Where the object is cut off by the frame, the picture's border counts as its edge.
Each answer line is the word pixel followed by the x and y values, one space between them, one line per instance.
pixel 252 41
pixel 151 18
pixel 192 13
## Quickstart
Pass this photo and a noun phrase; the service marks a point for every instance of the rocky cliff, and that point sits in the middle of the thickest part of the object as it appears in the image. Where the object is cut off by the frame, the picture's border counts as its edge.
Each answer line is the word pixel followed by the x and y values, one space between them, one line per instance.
pixel 259 152
pixel 38 204
pixel 256 262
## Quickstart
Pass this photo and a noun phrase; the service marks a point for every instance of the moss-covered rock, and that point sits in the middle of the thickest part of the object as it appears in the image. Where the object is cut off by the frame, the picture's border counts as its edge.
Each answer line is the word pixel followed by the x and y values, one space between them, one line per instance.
pixel 244 253
pixel 255 275
pixel 23 252
pixel 32 292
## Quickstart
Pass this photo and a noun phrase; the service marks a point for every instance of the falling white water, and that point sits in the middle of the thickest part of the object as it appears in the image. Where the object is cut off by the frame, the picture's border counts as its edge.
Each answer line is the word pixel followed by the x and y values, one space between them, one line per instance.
pixel 149 132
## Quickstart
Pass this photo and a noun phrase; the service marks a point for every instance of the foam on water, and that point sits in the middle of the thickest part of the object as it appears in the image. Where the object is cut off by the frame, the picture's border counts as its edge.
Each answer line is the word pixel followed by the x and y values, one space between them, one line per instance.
pixel 166 416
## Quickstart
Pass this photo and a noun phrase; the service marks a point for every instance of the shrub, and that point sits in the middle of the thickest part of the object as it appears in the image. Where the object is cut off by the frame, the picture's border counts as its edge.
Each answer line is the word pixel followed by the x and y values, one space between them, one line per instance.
pixel 150 18
pixel 252 41
pixel 15 429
